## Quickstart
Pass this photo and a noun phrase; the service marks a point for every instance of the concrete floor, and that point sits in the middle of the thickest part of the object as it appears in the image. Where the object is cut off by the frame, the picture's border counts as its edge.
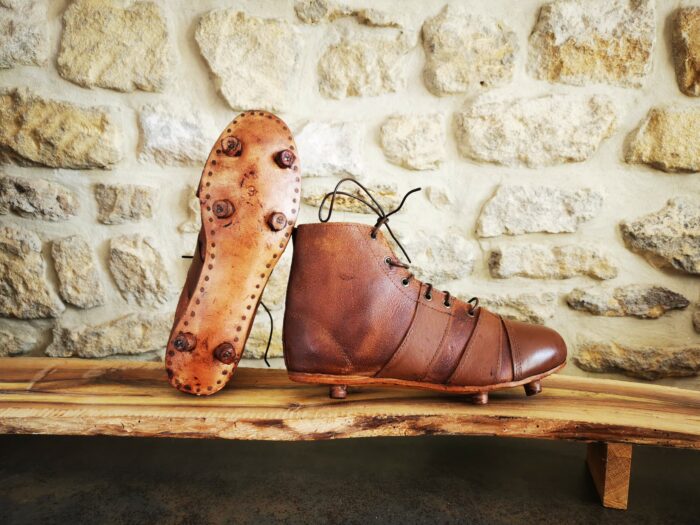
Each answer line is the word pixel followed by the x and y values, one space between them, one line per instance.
pixel 45 480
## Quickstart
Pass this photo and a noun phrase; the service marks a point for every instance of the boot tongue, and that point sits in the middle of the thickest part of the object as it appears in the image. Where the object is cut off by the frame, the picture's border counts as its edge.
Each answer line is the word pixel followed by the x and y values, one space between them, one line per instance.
pixel 375 207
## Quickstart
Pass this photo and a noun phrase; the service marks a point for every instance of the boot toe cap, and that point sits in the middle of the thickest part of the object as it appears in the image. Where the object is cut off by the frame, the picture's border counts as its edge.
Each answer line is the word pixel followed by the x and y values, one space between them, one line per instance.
pixel 535 349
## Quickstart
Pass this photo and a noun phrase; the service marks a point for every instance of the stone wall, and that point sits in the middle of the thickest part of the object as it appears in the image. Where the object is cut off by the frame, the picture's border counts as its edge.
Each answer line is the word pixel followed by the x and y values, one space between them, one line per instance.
pixel 557 144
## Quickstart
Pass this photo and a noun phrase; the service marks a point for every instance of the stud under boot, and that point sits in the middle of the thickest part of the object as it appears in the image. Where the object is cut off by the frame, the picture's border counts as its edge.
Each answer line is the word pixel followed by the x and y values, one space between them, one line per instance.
pixel 356 316
pixel 249 196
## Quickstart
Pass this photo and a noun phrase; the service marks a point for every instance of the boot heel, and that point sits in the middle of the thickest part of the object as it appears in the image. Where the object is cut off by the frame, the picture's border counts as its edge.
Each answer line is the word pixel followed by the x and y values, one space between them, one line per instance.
pixel 338 391
pixel 533 388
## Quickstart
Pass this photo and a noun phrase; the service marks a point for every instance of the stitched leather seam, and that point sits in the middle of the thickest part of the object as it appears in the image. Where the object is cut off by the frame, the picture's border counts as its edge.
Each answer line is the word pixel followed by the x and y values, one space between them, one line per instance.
pixel 504 330
pixel 402 345
pixel 438 349
pixel 510 341
pixel 500 346
pixel 455 363
pixel 515 352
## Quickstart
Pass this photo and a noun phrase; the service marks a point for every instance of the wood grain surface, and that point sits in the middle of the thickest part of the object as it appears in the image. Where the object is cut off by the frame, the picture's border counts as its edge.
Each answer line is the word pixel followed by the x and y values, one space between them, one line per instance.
pixel 610 465
pixel 126 398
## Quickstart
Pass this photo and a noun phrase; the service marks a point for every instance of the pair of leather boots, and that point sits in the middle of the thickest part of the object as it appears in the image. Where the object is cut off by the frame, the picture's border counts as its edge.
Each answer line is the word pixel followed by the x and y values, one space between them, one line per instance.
pixel 355 315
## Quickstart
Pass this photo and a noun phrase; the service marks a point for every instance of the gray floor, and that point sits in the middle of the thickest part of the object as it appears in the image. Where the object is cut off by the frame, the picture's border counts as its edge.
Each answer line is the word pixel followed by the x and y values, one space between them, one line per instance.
pixel 68 480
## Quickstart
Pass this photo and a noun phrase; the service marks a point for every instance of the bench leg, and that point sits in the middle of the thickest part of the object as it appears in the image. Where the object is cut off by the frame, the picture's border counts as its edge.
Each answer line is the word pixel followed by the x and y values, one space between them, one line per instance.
pixel 610 465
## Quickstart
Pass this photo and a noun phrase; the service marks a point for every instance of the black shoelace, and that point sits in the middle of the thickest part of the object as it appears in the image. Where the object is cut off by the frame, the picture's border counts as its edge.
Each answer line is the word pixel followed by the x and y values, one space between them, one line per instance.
pixel 383 221
pixel 376 208
pixel 269 337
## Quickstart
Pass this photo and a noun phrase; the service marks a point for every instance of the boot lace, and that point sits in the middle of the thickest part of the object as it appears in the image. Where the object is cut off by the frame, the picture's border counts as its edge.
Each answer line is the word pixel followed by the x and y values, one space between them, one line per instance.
pixel 383 220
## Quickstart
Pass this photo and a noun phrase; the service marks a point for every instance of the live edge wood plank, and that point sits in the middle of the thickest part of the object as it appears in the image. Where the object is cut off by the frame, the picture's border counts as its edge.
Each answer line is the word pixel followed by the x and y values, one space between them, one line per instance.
pixel 72 396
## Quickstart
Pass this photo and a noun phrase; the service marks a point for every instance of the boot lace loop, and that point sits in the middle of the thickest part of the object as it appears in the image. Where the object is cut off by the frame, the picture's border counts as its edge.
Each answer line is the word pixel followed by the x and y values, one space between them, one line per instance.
pixel 383 220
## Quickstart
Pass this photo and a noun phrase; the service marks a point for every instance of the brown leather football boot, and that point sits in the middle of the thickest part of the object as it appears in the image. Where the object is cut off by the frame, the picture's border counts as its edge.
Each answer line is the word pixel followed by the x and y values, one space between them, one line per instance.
pixel 249 198
pixel 356 316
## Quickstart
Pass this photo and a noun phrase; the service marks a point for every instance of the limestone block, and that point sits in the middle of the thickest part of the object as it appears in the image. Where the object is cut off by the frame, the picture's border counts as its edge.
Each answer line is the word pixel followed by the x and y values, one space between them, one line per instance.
pixel 23 33
pixel 120 203
pixel 364 66
pixel 316 11
pixel 132 334
pixel 122 48
pixel 465 52
pixel 686 49
pixel 43 132
pixel 542 131
pixel 332 149
pixel 138 269
pixel 254 60
pixel 415 142
pixel 12 344
pixel 670 237
pixel 525 307
pixel 76 268
pixel 643 301
pixel 515 209
pixel 539 261
pixel 25 292
pixel 439 197
pixel 439 258
pixel 644 362
pixel 315 189
pixel 172 137
pixel 37 199
pixel 590 41
pixel 667 140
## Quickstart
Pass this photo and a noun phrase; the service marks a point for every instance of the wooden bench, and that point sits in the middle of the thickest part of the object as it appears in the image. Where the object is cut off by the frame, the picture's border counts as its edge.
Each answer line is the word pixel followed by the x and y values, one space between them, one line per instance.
pixel 123 398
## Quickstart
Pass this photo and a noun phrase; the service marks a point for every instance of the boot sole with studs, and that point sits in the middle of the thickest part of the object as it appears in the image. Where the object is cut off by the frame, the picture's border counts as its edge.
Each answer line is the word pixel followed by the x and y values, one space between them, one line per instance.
pixel 249 195
pixel 338 384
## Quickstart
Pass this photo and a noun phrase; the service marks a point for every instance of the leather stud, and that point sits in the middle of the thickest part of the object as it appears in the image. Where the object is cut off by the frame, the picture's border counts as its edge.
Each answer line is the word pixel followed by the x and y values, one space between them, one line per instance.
pixel 285 158
pixel 231 146
pixel 224 353
pixel 185 342
pixel 480 398
pixel 223 209
pixel 277 221
pixel 338 391
pixel 533 388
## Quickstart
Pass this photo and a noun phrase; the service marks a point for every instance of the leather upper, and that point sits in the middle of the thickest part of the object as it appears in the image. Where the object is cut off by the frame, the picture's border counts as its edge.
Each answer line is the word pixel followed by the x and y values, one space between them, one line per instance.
pixel 350 312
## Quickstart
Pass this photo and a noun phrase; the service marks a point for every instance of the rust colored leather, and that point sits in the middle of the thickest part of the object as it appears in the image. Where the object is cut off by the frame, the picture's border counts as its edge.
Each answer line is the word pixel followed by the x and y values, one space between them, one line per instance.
pixel 348 313
pixel 248 194
pixel 535 349
pixel 480 362
pixel 428 329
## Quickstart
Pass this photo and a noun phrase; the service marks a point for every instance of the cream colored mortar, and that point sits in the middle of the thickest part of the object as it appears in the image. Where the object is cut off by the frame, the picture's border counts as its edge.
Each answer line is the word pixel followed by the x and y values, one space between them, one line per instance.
pixel 631 190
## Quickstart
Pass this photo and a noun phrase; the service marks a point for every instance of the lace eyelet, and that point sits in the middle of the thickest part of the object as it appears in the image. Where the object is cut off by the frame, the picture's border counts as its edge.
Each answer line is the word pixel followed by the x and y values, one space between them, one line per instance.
pixel 474 304
pixel 428 297
pixel 446 304
pixel 387 260
pixel 405 281
pixel 373 235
